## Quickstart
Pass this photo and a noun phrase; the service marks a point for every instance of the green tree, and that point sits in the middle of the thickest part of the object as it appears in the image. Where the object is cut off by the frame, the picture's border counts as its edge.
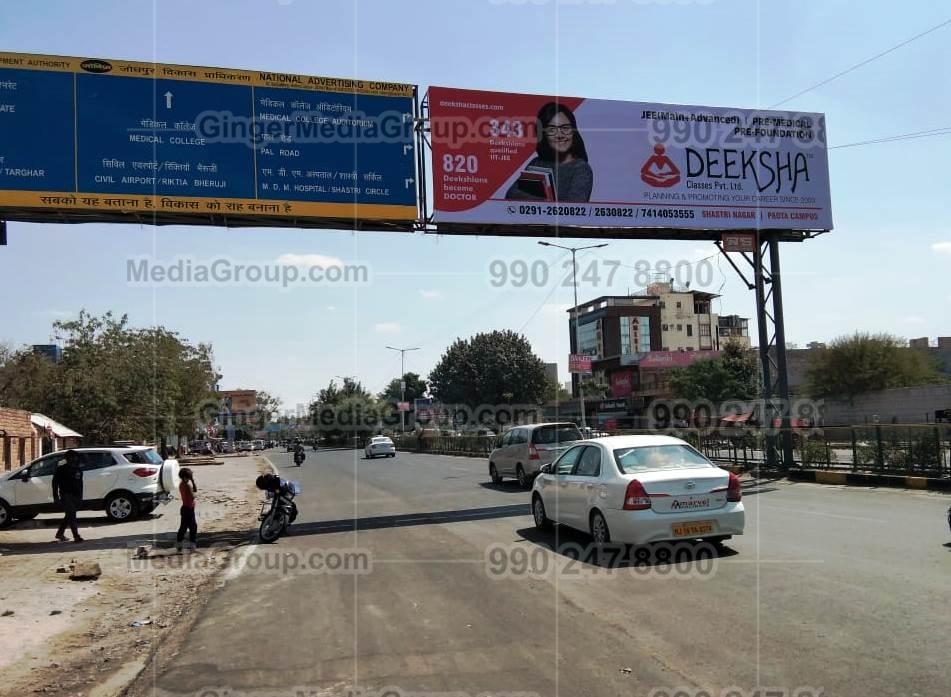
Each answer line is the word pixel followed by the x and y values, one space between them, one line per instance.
pixel 734 374
pixel 415 387
pixel 114 382
pixel 340 413
pixel 854 365
pixel 267 407
pixel 555 392
pixel 497 367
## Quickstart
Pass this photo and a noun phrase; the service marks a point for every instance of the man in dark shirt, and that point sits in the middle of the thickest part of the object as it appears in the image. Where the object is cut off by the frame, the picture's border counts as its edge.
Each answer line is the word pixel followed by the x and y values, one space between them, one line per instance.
pixel 68 492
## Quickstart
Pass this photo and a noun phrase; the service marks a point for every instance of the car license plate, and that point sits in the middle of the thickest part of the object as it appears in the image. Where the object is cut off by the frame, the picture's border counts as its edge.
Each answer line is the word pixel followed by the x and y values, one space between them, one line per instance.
pixel 696 529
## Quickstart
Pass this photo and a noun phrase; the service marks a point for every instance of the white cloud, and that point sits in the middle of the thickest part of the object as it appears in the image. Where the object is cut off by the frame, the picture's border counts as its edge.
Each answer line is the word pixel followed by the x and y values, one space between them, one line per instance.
pixel 320 260
pixel 431 294
pixel 331 308
pixel 941 248
pixel 387 328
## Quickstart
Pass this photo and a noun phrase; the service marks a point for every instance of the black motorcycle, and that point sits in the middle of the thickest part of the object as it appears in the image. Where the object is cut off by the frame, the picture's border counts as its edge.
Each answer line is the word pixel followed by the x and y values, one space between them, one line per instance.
pixel 279 510
pixel 299 457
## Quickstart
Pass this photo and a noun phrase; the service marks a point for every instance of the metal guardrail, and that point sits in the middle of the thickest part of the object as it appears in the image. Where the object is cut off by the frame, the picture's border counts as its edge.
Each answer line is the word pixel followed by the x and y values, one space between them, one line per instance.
pixel 921 450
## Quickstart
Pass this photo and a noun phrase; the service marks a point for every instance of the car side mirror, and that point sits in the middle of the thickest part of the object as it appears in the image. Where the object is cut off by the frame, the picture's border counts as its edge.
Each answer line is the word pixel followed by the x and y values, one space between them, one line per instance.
pixel 545 469
pixel 25 476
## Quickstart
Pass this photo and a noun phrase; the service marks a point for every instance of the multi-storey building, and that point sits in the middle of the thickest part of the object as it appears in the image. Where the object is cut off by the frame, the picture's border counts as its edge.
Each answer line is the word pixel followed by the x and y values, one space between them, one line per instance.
pixel 621 332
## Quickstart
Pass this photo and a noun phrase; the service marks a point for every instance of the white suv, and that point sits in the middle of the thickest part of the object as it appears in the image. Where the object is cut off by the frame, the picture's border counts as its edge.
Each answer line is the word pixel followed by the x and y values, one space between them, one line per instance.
pixel 124 481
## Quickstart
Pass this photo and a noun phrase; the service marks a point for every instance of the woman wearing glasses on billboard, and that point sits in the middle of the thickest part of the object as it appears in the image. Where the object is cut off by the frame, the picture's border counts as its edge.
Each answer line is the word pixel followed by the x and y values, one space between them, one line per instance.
pixel 560 172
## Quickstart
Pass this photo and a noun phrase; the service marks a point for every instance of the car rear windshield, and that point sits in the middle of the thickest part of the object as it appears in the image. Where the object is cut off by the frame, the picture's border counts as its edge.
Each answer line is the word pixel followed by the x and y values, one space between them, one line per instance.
pixel 647 458
pixel 559 433
pixel 143 457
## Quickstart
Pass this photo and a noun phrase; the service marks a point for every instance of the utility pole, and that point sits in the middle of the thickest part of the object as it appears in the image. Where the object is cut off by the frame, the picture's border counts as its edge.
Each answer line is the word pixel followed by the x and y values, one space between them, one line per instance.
pixel 574 282
pixel 3 233
pixel 403 381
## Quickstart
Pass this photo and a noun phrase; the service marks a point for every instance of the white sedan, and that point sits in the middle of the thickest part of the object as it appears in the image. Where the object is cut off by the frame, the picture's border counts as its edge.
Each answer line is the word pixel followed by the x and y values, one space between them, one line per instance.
pixel 380 445
pixel 637 490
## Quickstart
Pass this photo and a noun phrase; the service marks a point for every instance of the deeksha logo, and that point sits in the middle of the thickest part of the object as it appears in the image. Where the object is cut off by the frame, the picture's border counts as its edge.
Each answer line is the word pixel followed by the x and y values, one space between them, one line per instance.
pixel 659 170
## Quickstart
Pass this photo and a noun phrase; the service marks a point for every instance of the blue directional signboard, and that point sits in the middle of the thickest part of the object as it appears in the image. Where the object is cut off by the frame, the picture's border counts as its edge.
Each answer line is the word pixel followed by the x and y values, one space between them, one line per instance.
pixel 95 139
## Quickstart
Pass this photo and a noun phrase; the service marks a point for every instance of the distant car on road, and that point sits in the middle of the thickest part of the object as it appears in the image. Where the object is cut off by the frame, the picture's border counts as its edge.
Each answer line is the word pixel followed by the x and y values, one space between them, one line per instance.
pixel 380 446
pixel 125 482
pixel 524 449
pixel 226 447
pixel 257 445
pixel 244 446
pixel 638 490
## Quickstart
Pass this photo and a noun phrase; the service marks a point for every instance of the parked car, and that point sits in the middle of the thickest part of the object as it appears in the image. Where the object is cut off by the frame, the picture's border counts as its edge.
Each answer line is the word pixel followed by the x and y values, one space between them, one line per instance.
pixel 637 490
pixel 244 446
pixel 125 482
pixel 226 447
pixel 380 445
pixel 200 447
pixel 257 445
pixel 524 449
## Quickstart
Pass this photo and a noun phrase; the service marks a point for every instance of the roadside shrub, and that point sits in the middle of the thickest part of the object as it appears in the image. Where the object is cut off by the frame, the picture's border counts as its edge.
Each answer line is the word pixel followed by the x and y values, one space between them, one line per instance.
pixel 813 451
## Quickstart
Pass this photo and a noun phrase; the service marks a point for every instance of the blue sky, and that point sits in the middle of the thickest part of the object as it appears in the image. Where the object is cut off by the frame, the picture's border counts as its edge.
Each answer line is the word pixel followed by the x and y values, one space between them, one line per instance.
pixel 884 267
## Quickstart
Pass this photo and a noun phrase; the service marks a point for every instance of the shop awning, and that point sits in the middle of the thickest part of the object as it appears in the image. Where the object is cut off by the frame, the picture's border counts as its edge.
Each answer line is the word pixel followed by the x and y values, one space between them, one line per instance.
pixel 45 423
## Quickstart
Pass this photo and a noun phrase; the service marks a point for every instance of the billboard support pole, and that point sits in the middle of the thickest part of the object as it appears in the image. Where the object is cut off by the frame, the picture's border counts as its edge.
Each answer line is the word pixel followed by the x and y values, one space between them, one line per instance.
pixel 781 375
pixel 3 233
pixel 762 318
pixel 424 156
pixel 770 323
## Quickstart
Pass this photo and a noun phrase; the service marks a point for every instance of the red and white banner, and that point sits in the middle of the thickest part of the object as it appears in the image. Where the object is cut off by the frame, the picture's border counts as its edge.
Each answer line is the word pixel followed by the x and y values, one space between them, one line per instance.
pixel 518 159
pixel 579 363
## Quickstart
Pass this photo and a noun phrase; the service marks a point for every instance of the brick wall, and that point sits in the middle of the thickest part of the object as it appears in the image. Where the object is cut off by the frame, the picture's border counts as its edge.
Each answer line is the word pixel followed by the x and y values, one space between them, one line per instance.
pixel 18 445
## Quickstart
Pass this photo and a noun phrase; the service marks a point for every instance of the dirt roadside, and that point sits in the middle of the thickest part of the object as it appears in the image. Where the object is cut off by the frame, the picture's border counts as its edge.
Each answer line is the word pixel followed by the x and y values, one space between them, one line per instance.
pixel 65 637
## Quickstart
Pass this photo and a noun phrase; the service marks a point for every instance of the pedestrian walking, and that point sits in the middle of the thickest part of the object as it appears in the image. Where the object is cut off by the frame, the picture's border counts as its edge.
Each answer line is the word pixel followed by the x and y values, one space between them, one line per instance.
pixel 187 490
pixel 68 493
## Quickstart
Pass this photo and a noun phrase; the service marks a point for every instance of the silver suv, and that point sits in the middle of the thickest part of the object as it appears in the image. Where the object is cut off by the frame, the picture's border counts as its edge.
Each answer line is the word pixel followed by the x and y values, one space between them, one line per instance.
pixel 524 449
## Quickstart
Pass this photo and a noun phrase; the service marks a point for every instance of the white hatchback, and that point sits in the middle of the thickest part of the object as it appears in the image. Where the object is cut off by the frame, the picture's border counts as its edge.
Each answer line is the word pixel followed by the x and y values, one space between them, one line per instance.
pixel 123 481
pixel 637 490
pixel 380 445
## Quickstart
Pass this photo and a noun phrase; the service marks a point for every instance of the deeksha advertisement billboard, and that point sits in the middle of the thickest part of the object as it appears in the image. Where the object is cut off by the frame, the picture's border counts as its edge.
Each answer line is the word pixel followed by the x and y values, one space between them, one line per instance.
pixel 519 159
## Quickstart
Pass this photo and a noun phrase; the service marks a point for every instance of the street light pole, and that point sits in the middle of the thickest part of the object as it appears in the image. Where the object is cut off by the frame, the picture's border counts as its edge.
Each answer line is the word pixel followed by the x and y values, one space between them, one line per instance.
pixel 403 382
pixel 574 283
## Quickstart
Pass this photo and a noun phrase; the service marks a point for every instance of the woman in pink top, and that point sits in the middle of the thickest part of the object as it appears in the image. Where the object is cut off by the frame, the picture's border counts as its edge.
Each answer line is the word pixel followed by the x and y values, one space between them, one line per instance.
pixel 186 490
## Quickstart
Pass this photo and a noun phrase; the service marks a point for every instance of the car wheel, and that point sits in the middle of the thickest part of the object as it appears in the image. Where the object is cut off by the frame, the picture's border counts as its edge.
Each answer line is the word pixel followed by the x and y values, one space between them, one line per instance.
pixel 599 529
pixel 542 521
pixel 6 515
pixel 494 473
pixel 121 506
pixel 523 480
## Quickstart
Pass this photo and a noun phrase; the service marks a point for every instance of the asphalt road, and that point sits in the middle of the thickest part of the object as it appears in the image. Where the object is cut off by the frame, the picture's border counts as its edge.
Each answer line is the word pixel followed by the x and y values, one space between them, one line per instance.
pixel 449 589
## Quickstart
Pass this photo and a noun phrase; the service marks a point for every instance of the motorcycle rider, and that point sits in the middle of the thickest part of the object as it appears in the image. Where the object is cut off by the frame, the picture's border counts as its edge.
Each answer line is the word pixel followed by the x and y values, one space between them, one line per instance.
pixel 299 453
